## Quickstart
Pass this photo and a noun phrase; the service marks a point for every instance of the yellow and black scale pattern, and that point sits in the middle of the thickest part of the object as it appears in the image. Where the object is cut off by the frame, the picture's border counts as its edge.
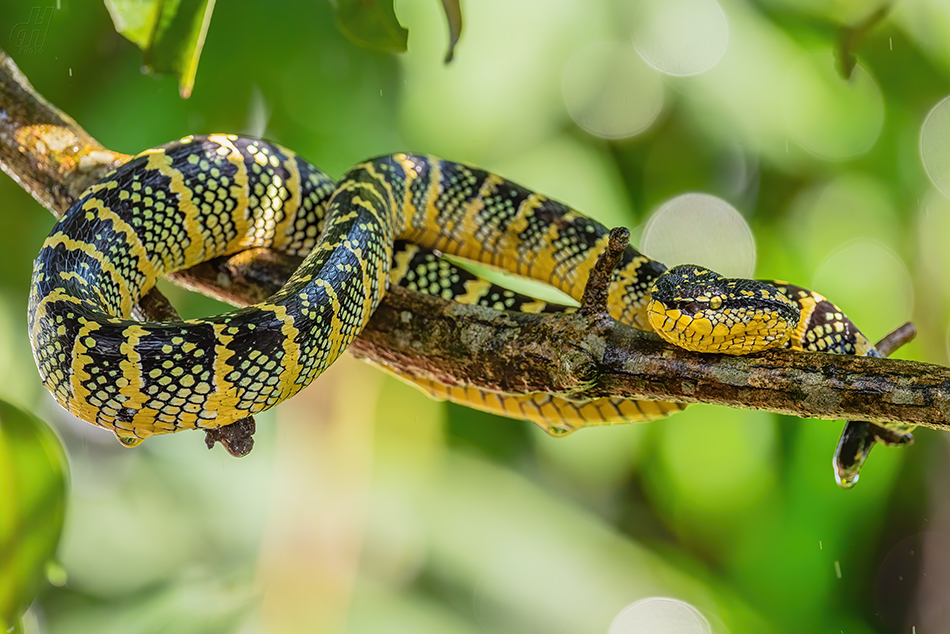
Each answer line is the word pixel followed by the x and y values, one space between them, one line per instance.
pixel 384 222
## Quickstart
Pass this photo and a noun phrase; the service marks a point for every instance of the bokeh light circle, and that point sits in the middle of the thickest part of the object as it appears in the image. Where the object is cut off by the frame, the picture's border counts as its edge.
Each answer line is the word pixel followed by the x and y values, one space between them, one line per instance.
pixel 935 146
pixel 681 37
pixel 610 92
pixel 660 615
pixel 827 115
pixel 864 268
pixel 700 229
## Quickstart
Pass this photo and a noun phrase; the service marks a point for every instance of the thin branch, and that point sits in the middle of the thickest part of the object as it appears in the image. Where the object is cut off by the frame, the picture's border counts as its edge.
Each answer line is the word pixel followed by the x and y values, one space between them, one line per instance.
pixel 850 36
pixel 574 355
pixel 597 290
pixel 902 336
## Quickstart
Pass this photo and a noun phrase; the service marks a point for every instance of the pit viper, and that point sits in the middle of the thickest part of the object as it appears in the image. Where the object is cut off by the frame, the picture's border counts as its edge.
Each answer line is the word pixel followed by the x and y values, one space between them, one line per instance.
pixel 385 222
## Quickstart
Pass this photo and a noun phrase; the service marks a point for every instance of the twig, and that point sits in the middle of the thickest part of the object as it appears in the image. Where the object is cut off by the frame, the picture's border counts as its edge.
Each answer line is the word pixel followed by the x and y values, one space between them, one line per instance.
pixel 850 36
pixel 858 437
pixel 594 300
pixel 902 336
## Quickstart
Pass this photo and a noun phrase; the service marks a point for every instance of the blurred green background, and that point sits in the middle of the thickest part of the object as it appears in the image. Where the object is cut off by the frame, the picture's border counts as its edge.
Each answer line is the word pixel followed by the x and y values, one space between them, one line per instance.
pixel 367 508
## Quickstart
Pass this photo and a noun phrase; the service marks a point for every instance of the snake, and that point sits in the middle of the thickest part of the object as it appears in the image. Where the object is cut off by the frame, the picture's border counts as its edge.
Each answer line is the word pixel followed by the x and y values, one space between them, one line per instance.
pixel 389 220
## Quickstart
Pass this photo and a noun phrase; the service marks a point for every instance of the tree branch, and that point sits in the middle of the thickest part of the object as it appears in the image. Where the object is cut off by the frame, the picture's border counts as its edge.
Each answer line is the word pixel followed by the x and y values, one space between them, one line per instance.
pixel 581 355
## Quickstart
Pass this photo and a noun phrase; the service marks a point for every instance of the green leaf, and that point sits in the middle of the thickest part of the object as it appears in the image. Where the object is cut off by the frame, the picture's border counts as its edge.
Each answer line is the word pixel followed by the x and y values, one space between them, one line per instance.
pixel 453 13
pixel 135 19
pixel 171 33
pixel 371 24
pixel 33 480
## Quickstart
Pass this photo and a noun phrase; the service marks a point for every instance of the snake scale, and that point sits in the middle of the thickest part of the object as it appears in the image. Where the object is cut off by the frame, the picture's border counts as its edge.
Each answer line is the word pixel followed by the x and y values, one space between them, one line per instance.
pixel 385 221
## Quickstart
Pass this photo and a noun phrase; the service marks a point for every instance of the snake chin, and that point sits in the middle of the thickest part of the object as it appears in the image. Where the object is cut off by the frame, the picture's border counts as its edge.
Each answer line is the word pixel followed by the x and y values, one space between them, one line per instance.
pixel 698 309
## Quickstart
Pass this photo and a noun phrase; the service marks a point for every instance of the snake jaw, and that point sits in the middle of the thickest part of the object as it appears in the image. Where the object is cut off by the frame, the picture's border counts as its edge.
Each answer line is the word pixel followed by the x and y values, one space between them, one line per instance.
pixel 697 309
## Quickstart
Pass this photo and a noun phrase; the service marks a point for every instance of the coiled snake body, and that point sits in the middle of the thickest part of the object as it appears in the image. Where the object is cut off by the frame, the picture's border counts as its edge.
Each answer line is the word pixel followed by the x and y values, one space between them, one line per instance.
pixel 175 206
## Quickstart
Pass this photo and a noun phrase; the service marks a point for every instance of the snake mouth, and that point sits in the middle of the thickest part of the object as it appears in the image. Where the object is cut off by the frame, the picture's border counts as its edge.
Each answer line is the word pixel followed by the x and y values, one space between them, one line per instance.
pixel 698 309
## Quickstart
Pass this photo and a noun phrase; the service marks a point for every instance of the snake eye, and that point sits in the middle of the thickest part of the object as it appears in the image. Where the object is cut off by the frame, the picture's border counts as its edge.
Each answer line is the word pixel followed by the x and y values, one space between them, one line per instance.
pixel 715 303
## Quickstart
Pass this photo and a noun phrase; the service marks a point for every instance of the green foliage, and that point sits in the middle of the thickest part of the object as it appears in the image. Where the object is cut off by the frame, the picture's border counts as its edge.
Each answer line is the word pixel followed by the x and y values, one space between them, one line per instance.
pixel 171 33
pixel 372 24
pixel 33 483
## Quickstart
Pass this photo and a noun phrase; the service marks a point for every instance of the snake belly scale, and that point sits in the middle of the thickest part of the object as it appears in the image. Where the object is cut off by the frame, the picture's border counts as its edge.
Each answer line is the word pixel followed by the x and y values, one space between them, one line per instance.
pixel 384 222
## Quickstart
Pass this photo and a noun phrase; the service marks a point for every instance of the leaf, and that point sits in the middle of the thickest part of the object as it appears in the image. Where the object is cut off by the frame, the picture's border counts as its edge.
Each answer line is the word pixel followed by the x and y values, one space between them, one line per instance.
pixel 453 13
pixel 171 33
pixel 33 479
pixel 134 19
pixel 371 24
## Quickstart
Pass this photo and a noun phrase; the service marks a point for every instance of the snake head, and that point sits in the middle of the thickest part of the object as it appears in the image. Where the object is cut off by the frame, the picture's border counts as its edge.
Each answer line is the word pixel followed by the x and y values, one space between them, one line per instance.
pixel 699 310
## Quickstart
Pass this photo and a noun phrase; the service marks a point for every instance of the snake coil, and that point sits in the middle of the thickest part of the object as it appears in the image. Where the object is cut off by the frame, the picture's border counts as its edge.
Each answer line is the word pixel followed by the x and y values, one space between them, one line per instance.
pixel 172 207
